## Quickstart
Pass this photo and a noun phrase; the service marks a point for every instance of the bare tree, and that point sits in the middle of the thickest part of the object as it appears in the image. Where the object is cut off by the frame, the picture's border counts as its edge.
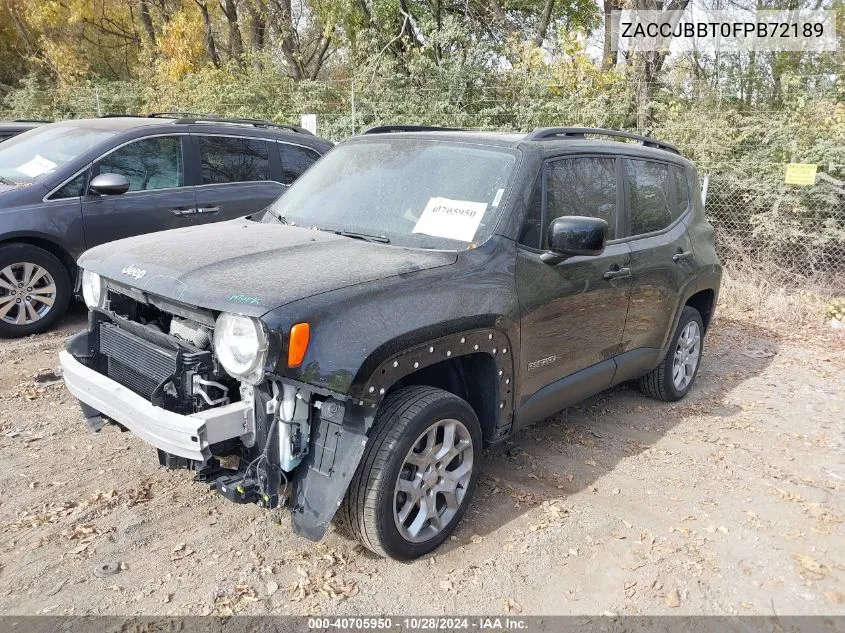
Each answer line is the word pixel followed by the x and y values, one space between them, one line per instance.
pixel 236 43
pixel 210 45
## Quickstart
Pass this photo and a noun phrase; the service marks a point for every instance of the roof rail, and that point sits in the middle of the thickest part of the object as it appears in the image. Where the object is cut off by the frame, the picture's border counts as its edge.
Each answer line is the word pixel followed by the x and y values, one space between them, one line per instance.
pixel 385 129
pixel 32 121
pixel 545 133
pixel 174 115
pixel 190 117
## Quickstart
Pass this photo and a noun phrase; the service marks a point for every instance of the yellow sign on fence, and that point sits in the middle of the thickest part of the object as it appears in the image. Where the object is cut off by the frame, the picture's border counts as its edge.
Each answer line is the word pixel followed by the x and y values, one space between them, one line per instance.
pixel 800 174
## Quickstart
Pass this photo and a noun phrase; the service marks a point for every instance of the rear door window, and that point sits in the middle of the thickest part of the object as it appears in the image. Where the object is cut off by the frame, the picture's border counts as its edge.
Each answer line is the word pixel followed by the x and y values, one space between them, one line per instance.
pixel 650 199
pixel 295 160
pixel 233 159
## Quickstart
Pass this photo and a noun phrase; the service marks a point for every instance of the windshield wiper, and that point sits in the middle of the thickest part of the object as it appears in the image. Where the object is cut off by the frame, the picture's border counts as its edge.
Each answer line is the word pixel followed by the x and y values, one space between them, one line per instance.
pixel 6 181
pixel 381 239
pixel 281 219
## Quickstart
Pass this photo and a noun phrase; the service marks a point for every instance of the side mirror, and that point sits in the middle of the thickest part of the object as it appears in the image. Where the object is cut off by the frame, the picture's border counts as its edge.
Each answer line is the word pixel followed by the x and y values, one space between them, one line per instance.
pixel 573 235
pixel 109 184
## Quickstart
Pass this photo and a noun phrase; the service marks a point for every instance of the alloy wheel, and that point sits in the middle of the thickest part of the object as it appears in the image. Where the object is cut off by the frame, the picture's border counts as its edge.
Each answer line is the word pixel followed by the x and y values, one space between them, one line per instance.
pixel 27 293
pixel 687 355
pixel 433 481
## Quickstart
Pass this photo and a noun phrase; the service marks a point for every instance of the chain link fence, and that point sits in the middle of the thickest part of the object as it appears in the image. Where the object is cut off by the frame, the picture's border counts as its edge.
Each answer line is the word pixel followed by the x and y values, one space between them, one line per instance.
pixel 794 235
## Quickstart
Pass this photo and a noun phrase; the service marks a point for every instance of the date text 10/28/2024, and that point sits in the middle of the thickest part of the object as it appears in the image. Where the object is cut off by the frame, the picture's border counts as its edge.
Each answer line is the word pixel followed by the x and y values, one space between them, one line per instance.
pixel 419 624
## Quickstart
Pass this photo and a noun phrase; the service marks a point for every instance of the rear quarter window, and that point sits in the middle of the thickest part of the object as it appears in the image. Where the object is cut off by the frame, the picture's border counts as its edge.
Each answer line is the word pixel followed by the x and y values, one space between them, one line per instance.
pixel 682 192
pixel 295 160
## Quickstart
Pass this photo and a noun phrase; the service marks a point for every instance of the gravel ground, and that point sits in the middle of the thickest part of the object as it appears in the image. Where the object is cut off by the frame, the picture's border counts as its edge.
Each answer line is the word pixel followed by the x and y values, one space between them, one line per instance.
pixel 730 502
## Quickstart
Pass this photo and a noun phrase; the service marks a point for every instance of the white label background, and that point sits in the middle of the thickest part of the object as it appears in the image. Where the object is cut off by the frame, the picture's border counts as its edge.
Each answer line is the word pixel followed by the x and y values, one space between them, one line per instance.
pixel 452 219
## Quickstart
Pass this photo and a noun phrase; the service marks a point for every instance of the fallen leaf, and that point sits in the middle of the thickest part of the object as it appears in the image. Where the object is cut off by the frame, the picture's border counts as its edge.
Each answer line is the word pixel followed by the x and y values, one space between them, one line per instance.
pixel 509 605
pixel 810 566
pixel 836 597
pixel 672 599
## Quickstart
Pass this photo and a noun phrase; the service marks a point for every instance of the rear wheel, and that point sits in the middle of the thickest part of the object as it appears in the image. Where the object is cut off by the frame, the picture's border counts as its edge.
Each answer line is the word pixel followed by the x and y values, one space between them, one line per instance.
pixel 674 377
pixel 417 474
pixel 34 290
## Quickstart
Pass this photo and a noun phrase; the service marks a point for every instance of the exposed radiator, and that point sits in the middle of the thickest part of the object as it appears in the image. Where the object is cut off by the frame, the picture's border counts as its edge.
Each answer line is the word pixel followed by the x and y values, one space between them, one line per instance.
pixel 135 363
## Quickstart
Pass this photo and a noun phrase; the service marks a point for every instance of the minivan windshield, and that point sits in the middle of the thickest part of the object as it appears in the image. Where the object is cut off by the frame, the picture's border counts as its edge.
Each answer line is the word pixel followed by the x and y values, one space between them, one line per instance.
pixel 424 193
pixel 29 156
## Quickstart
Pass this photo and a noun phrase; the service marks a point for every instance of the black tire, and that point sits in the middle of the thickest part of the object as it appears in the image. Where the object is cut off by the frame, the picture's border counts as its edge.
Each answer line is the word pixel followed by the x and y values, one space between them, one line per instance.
pixel 367 512
pixel 15 254
pixel 659 382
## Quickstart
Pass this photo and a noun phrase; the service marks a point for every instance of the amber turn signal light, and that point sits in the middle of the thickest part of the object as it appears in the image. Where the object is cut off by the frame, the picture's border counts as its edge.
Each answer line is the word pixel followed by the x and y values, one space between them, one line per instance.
pixel 300 334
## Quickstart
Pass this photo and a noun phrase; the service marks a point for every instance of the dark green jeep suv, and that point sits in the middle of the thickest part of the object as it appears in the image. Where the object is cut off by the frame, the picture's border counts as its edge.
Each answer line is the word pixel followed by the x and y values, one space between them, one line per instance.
pixel 416 294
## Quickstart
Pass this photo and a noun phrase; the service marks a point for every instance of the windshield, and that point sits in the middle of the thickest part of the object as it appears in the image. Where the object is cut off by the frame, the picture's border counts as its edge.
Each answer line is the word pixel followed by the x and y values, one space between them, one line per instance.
pixel 27 157
pixel 409 192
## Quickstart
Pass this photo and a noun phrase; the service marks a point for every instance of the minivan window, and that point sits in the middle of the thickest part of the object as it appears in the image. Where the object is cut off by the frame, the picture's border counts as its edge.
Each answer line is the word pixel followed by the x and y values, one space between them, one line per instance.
pixel 581 186
pixel 151 163
pixel 648 184
pixel 295 160
pixel 413 192
pixel 35 153
pixel 73 188
pixel 231 159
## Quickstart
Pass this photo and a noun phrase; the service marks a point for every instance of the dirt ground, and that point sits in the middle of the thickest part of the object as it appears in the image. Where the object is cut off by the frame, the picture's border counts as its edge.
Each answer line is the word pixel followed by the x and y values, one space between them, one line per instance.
pixel 730 502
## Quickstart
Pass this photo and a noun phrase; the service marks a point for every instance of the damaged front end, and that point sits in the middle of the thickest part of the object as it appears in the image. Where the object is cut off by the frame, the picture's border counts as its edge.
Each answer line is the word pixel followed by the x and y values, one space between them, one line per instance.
pixel 151 366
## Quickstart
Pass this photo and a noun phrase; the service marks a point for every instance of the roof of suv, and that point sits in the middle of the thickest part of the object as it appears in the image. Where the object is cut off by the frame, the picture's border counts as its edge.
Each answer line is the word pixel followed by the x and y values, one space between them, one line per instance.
pixel 213 124
pixel 570 139
pixel 20 125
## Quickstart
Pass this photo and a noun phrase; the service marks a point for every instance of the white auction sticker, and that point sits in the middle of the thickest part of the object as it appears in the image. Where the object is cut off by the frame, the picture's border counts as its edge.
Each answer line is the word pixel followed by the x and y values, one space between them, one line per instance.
pixel 452 219
pixel 37 166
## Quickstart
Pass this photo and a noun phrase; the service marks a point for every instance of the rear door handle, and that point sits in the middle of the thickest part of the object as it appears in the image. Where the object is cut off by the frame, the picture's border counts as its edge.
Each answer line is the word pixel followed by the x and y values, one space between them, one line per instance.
pixel 679 257
pixel 616 273
pixel 183 210
pixel 208 210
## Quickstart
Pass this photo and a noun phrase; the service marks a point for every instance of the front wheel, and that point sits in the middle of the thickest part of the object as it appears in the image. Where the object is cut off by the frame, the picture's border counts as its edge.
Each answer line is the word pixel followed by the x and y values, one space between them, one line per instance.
pixel 35 290
pixel 417 474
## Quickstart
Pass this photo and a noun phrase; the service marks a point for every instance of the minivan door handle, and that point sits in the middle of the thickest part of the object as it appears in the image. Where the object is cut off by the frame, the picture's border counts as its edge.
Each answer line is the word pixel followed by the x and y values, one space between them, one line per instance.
pixel 616 273
pixel 208 210
pixel 183 211
pixel 681 256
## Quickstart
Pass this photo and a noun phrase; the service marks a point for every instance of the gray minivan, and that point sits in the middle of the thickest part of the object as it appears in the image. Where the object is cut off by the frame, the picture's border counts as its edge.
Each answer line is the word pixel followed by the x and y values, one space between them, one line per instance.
pixel 68 186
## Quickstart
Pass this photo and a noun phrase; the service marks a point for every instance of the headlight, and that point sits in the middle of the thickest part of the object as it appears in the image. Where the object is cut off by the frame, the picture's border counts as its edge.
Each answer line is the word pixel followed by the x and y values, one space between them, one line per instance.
pixel 241 346
pixel 93 290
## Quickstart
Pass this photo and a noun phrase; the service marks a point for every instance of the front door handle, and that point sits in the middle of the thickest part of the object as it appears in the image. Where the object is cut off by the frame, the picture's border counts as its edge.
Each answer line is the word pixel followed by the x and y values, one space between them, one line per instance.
pixel 208 210
pixel 616 273
pixel 183 210
pixel 681 256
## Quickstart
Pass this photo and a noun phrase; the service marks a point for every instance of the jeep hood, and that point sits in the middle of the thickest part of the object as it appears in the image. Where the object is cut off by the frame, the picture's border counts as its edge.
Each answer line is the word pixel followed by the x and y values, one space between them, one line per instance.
pixel 250 268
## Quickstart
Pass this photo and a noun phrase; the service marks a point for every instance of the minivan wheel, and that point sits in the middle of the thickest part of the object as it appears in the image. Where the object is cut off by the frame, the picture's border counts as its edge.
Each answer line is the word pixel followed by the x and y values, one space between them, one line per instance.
pixel 34 290
pixel 417 474
pixel 674 377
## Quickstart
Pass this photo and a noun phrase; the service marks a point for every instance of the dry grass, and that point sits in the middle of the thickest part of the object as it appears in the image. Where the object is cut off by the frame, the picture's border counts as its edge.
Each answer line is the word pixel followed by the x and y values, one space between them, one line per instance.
pixel 760 297
pixel 756 295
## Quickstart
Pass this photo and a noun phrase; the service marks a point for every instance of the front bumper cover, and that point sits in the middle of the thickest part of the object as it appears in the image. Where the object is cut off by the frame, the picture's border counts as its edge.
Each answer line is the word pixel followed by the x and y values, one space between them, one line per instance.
pixel 188 436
